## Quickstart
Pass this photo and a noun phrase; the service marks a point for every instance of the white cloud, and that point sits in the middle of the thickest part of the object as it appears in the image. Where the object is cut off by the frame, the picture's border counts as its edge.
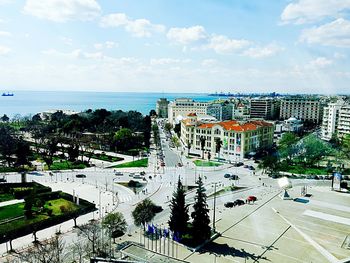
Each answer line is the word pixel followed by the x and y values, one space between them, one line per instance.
pixel 4 50
pixel 66 40
pixel 137 27
pixel 222 44
pixel 187 35
pixel 338 55
pixel 304 11
pixel 262 52
pixel 320 62
pixel 5 34
pixel 63 10
pixel 168 61
pixel 107 44
pixel 336 33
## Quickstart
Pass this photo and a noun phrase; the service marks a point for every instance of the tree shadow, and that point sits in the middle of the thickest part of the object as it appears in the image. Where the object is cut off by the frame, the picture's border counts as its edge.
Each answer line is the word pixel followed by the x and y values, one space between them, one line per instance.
pixel 226 250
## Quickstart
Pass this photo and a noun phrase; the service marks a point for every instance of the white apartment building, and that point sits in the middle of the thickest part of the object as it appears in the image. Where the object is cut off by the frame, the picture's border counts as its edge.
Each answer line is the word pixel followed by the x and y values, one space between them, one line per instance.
pixel 330 120
pixel 344 121
pixel 238 138
pixel 301 108
pixel 180 108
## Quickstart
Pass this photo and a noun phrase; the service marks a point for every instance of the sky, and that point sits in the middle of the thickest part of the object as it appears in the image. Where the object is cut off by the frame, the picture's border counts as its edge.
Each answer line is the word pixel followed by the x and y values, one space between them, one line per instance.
pixel 286 46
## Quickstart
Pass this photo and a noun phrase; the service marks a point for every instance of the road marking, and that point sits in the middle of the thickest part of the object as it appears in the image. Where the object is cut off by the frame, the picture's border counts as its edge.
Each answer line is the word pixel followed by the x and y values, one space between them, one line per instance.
pixel 319 248
pixel 327 217
pixel 330 205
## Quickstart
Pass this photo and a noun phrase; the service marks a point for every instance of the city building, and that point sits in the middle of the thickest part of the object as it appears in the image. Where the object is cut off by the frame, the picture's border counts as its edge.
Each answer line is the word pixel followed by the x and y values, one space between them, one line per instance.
pixel 181 107
pixel 307 109
pixel 344 121
pixel 162 108
pixel 241 111
pixel 264 108
pixel 330 120
pixel 221 110
pixel 239 138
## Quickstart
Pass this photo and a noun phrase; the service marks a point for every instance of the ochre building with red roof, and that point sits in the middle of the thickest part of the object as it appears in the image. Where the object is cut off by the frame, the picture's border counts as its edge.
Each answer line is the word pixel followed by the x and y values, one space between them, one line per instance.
pixel 238 138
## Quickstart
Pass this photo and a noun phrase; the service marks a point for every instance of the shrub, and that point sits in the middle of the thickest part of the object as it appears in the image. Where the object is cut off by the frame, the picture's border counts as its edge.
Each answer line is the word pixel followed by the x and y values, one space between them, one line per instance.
pixel 63 209
pixel 49 212
pixel 157 209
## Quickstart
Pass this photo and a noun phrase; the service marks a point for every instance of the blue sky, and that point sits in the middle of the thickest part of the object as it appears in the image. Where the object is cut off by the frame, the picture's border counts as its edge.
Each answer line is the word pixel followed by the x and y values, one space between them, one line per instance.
pixel 290 46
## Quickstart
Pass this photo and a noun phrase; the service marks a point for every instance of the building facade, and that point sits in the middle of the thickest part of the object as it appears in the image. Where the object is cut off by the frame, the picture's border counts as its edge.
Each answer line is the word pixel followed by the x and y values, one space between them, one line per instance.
pixel 301 108
pixel 344 121
pixel 162 108
pixel 180 108
pixel 330 120
pixel 238 138
pixel 222 110
pixel 264 108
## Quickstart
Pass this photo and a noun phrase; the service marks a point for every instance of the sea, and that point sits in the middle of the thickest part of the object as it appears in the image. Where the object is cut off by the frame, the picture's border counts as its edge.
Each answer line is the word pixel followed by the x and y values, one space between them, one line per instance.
pixel 26 103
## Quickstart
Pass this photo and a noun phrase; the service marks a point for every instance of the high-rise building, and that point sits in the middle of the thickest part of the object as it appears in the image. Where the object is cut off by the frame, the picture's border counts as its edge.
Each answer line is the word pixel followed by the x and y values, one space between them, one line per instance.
pixel 181 107
pixel 264 108
pixel 330 120
pixel 221 110
pixel 344 121
pixel 162 108
pixel 301 108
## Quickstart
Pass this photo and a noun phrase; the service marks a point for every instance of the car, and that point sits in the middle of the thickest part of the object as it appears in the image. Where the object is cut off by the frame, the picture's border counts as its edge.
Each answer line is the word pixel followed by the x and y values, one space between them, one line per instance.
pixel 229 204
pixel 251 198
pixel 3 180
pixel 234 177
pixel 179 164
pixel 143 173
pixel 251 168
pixel 80 176
pixel 227 175
pixel 131 174
pixel 246 166
pixel 162 164
pixel 118 174
pixel 238 202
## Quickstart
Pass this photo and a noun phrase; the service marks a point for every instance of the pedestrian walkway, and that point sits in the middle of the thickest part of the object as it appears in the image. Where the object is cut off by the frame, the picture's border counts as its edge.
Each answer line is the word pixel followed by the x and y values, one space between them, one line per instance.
pixel 11 202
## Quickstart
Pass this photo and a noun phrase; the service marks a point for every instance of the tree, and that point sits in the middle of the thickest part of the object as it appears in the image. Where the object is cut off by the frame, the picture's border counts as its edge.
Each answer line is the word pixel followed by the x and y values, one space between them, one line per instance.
pixel 73 151
pixel 4 118
pixel 313 149
pixel 201 230
pixel 143 212
pixel 50 251
pixel 115 224
pixel 202 140
pixel 92 232
pixel 179 211
pixel 153 113
pixel 345 144
pixel 288 146
pixel 189 145
pixel 123 139
pixel 168 126
pixel 7 144
pixel 218 144
pixel 175 141
pixel 269 163
pixel 22 152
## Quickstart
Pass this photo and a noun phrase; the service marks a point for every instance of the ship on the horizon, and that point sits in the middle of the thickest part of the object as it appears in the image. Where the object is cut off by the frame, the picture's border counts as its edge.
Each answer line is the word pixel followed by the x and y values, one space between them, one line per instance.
pixel 7 94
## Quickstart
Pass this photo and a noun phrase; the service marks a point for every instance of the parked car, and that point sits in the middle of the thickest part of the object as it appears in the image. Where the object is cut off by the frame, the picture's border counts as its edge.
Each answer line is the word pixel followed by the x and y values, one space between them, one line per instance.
pixel 238 202
pixel 131 174
pixel 234 177
pixel 227 175
pixel 251 168
pixel 162 164
pixel 36 173
pixel 3 180
pixel 251 198
pixel 80 176
pixel 229 204
pixel 118 173
pixel 246 166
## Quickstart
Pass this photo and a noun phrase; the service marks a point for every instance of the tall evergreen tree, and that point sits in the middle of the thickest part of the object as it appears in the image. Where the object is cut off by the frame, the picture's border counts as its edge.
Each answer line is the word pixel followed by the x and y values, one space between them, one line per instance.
pixel 179 211
pixel 201 230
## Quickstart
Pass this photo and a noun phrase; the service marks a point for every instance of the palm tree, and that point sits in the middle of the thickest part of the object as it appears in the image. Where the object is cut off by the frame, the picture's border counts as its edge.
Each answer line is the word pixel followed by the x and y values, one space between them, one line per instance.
pixel 218 144
pixel 202 140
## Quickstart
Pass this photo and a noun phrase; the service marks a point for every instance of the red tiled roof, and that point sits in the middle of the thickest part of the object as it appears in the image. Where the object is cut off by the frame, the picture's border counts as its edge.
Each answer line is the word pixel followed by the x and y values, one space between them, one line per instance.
pixel 192 114
pixel 236 126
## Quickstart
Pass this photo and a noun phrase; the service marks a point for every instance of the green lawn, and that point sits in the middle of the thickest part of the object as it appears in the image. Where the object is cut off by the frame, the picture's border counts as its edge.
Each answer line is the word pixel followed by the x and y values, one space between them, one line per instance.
pixel 107 158
pixel 299 169
pixel 206 163
pixel 137 163
pixel 6 197
pixel 11 211
pixel 66 165
pixel 57 203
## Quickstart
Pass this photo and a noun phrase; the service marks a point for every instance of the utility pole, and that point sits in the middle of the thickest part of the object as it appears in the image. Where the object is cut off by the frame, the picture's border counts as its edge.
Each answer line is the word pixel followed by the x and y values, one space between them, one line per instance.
pixel 214 206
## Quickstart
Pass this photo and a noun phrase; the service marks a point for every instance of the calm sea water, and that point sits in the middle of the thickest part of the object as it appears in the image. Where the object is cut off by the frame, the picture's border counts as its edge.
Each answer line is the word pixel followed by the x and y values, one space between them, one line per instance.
pixel 32 102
